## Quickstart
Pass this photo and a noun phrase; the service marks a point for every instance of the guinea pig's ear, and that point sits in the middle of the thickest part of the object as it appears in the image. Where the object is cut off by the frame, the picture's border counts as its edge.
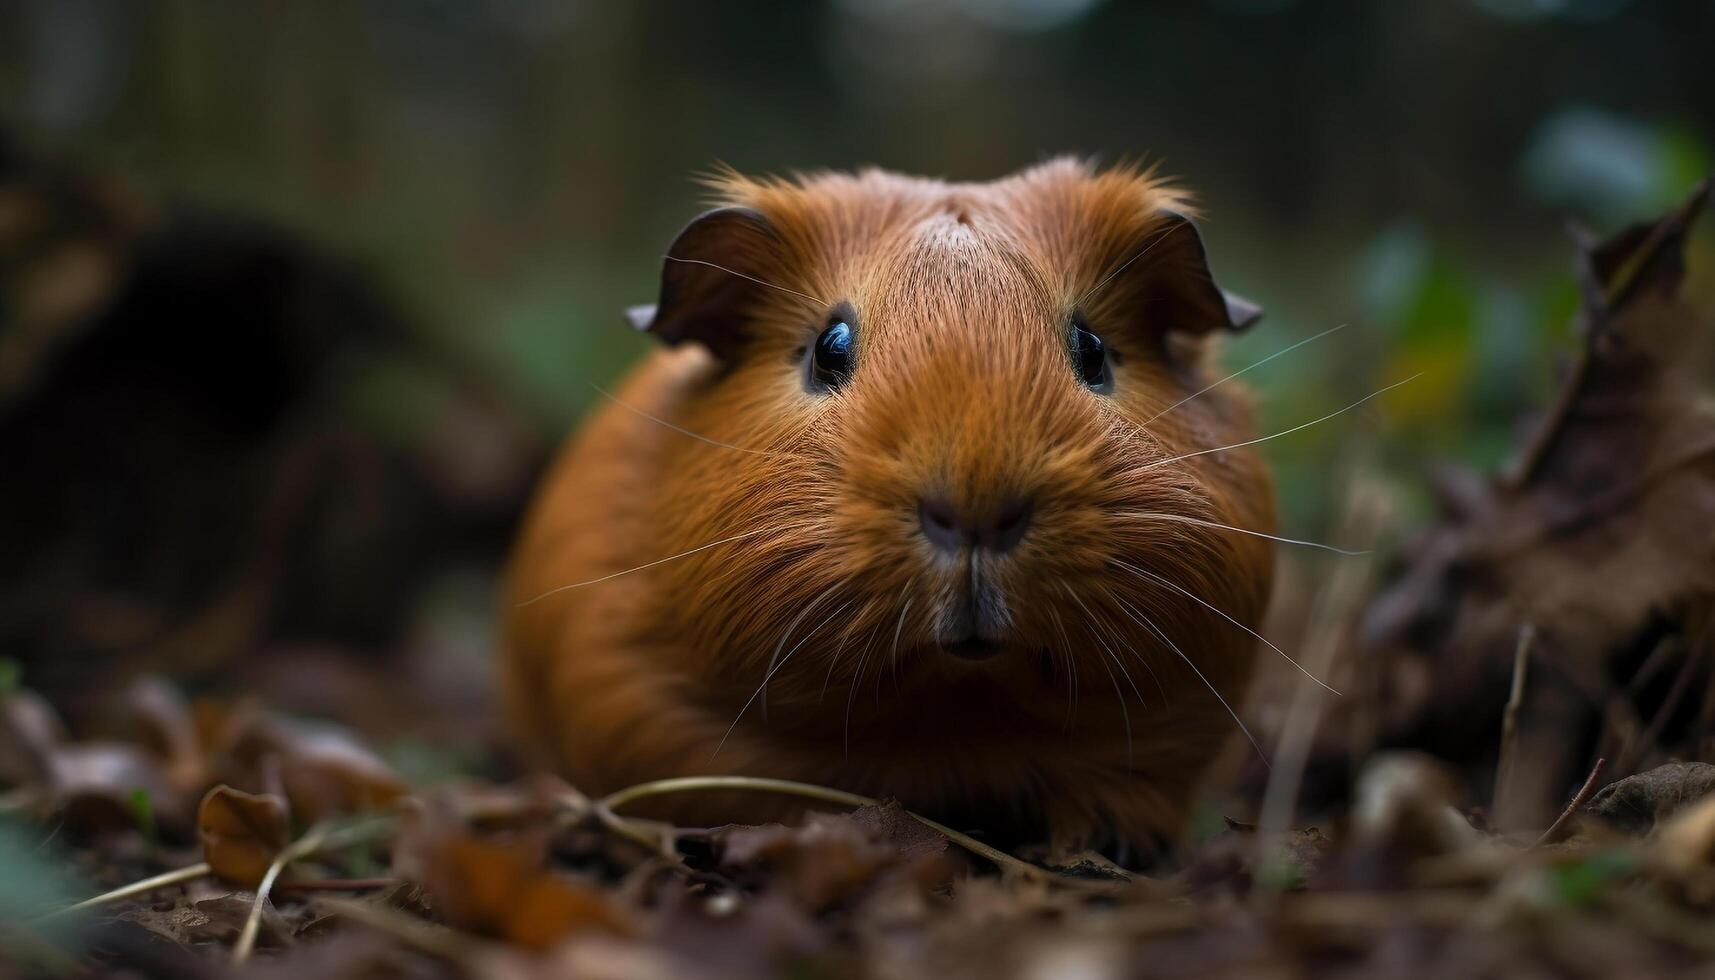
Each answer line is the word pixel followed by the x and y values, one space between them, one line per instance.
pixel 1177 287
pixel 709 277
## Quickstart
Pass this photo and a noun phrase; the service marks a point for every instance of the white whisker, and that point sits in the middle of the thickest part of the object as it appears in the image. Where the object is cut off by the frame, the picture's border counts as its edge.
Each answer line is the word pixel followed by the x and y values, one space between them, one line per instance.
pixel 785 635
pixel 839 653
pixel 1122 267
pixel 893 658
pixel 1179 518
pixel 1163 637
pixel 1287 432
pixel 863 664
pixel 1278 353
pixel 760 688
pixel 639 568
pixel 734 272
pixel 1221 613
pixel 1095 621
pixel 1065 655
pixel 610 396
pixel 1125 713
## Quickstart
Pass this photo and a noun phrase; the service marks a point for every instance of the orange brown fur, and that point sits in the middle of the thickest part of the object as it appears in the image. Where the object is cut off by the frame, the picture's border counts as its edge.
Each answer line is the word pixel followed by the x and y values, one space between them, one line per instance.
pixel 963 386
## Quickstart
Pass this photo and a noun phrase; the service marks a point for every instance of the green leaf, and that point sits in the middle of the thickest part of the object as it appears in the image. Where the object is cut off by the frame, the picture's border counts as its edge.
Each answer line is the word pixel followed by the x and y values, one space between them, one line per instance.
pixel 1582 882
pixel 143 812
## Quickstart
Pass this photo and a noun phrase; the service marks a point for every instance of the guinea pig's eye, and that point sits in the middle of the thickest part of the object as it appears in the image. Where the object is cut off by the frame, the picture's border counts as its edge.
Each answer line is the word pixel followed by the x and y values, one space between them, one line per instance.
pixel 832 355
pixel 1090 357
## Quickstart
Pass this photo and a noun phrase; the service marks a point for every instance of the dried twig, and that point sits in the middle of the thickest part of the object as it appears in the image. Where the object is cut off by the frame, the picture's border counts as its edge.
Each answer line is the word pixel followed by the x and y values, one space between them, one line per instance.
pixel 426 937
pixel 663 787
pixel 1552 834
pixel 1670 703
pixel 1330 616
pixel 336 884
pixel 163 880
pixel 1509 718
pixel 316 839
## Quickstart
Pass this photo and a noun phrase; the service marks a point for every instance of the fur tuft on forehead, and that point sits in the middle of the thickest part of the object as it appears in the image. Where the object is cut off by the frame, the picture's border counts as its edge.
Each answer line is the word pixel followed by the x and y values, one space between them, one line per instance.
pixel 1066 205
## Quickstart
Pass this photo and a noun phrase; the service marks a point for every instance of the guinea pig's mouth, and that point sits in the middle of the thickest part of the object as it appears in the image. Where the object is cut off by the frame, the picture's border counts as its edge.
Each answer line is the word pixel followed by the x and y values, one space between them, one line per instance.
pixel 973 648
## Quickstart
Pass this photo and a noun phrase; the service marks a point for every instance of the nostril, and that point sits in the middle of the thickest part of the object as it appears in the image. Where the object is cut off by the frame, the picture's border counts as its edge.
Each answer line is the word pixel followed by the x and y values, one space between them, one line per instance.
pixel 1009 526
pixel 949 529
pixel 941 524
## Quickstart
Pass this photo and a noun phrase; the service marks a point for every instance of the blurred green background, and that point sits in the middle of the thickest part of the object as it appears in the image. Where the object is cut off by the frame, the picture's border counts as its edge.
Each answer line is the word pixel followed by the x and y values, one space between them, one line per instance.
pixel 508 174
pixel 511 171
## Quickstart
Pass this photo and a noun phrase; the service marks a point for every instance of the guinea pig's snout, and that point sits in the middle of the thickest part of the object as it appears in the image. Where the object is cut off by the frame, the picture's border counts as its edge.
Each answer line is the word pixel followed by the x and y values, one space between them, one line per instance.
pixel 952 529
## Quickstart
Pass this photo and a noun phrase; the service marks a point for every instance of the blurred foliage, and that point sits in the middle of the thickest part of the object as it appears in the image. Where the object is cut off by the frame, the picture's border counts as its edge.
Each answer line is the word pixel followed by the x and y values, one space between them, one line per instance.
pixel 34 875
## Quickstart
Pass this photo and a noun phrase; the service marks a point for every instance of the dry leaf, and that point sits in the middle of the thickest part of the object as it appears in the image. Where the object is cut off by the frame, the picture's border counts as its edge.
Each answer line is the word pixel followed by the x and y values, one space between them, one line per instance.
pixel 168 727
pixel 90 785
pixel 1686 843
pixel 832 857
pixel 1407 803
pixel 322 768
pixel 30 732
pixel 1637 804
pixel 496 890
pixel 242 833
pixel 1598 537
pixel 211 920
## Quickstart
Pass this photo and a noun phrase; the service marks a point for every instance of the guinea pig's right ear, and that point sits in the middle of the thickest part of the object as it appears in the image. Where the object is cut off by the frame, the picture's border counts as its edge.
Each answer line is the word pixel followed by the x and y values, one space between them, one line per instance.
pixel 1174 278
pixel 709 280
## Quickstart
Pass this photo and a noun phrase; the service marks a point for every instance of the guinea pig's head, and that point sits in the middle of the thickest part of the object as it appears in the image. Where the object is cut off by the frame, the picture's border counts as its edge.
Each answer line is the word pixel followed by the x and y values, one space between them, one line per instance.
pixel 954 431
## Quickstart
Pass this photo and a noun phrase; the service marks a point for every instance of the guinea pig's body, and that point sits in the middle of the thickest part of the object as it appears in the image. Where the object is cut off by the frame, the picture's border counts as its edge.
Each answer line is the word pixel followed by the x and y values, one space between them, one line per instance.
pixel 927 501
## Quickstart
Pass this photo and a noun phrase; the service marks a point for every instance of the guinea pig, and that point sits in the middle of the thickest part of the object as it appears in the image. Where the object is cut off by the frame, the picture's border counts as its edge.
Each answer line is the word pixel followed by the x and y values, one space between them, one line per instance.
pixel 929 494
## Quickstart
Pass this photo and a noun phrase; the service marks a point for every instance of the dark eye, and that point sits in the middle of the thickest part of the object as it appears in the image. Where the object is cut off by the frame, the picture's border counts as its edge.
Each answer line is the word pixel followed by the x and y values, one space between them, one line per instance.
pixel 1090 357
pixel 831 357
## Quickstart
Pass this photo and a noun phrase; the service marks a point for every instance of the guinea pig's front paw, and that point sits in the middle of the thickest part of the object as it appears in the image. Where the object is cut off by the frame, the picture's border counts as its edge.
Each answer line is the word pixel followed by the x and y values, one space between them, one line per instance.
pixel 1077 835
pixel 1105 846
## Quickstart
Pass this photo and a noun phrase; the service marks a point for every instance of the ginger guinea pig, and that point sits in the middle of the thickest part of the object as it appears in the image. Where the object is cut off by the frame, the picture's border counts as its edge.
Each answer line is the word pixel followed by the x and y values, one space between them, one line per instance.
pixel 927 496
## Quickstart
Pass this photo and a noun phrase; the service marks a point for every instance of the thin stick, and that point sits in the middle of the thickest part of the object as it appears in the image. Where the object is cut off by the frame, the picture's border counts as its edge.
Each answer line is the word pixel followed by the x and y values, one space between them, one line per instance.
pixel 425 937
pixel 1331 614
pixel 315 839
pixel 1509 716
pixel 661 845
pixel 686 784
pixel 336 884
pixel 178 877
pixel 1670 704
pixel 1552 834
pixel 304 845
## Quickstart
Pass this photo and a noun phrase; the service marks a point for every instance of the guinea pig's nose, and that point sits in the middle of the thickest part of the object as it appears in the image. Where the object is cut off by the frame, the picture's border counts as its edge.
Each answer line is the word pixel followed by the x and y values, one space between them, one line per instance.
pixel 951 529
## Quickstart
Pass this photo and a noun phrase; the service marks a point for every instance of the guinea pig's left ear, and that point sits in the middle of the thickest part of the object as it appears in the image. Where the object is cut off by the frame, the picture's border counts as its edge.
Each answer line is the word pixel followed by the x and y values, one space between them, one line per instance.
pixel 709 280
pixel 1180 291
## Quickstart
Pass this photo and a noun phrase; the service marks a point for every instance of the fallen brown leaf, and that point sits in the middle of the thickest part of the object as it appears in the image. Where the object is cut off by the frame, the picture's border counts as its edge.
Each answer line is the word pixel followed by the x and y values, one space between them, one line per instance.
pixel 211 920
pixel 497 890
pixel 242 833
pixel 168 728
pixel 1638 803
pixel 323 769
pixel 832 857
pixel 1597 538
